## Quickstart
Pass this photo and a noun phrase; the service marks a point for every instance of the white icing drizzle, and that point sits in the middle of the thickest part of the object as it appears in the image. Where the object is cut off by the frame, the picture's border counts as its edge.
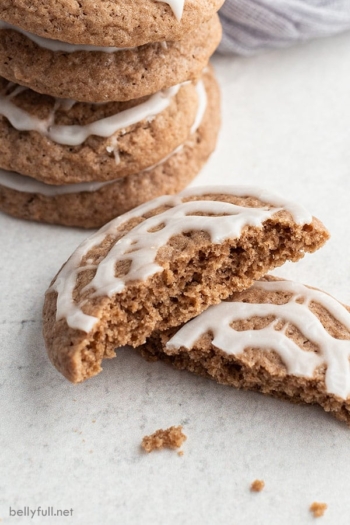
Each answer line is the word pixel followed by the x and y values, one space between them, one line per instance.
pixel 16 91
pixel 334 353
pixel 57 45
pixel 141 244
pixel 299 213
pixel 177 7
pixel 76 135
pixel 113 148
pixel 66 103
pixel 171 154
pixel 18 182
pixel 202 105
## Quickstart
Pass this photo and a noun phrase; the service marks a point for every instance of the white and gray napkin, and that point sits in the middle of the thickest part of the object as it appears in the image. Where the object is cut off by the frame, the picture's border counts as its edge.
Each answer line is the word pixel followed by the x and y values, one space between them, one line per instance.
pixel 250 26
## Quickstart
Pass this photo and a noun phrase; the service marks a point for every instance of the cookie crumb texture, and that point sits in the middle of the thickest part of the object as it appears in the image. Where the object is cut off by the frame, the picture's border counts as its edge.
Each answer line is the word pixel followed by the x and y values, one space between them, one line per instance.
pixel 318 509
pixel 172 438
pixel 278 337
pixel 102 77
pixel 257 486
pixel 161 265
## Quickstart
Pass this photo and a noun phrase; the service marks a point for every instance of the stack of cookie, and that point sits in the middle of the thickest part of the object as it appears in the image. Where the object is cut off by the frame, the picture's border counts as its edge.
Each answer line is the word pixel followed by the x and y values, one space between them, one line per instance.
pixel 103 105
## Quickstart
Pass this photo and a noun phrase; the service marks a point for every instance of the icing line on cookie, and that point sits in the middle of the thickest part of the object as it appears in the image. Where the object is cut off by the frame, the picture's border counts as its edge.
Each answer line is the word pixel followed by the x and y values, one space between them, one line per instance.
pixel 334 353
pixel 16 181
pixel 25 184
pixel 221 220
pixel 201 107
pixel 57 45
pixel 75 135
pixel 177 7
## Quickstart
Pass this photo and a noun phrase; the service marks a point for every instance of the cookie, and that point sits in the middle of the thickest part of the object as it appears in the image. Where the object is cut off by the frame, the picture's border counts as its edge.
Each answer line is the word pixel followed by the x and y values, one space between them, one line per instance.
pixel 257 485
pixel 318 509
pixel 125 23
pixel 109 75
pixel 279 338
pixel 62 142
pixel 172 438
pixel 90 205
pixel 164 263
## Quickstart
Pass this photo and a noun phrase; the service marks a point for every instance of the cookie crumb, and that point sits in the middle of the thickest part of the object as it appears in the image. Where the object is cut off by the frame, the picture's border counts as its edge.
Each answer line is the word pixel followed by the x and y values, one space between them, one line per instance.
pixel 257 485
pixel 172 437
pixel 180 453
pixel 318 509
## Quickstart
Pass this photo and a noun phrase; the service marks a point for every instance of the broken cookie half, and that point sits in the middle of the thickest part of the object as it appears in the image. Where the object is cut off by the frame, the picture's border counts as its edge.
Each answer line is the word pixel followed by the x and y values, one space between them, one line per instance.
pixel 278 337
pixel 164 263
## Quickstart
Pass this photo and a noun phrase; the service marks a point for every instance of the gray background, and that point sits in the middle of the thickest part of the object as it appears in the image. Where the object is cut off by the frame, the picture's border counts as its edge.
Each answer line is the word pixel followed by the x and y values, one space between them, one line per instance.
pixel 286 126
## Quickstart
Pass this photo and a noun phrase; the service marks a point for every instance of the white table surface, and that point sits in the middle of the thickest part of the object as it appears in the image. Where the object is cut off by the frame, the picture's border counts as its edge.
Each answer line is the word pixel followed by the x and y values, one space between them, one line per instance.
pixel 286 126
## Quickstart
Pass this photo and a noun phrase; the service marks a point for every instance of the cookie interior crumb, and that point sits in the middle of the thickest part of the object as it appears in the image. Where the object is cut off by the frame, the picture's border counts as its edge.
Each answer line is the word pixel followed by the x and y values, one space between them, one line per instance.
pixel 172 437
pixel 318 509
pixel 257 485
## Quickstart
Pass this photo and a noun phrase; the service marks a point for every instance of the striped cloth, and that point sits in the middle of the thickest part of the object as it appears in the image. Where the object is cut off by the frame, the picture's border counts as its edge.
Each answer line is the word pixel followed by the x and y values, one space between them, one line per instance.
pixel 254 25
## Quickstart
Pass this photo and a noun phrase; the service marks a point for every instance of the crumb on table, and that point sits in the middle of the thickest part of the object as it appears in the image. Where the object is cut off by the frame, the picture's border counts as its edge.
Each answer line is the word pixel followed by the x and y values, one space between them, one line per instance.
pixel 172 437
pixel 257 485
pixel 318 509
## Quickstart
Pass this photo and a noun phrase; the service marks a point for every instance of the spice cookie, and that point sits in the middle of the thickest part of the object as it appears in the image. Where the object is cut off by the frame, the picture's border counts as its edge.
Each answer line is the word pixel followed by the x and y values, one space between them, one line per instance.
pixel 162 264
pixel 278 337
pixel 125 23
pixel 63 142
pixel 69 71
pixel 90 205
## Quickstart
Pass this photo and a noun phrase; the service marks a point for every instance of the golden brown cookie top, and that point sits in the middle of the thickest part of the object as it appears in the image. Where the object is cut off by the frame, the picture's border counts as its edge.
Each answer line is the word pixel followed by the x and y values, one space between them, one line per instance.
pixel 291 328
pixel 142 243
pixel 105 75
pixel 166 261
pixel 96 142
pixel 118 23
